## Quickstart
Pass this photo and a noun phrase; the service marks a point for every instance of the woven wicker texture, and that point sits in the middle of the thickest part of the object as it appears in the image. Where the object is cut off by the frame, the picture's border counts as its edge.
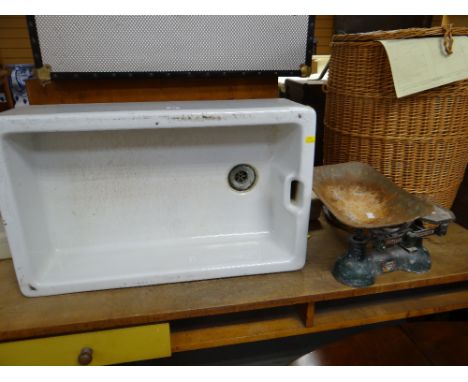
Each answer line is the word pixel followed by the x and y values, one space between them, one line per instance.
pixel 419 141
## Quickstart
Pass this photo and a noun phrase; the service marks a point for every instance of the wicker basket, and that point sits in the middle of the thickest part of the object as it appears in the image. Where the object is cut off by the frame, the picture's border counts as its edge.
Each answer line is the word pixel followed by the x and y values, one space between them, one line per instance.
pixel 419 141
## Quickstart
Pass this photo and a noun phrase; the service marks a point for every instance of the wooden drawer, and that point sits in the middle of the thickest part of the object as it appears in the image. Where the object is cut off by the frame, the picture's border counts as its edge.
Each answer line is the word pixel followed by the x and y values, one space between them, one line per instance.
pixel 100 348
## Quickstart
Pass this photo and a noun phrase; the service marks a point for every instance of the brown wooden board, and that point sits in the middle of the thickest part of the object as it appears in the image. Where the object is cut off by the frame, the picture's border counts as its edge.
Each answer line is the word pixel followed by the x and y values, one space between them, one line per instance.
pixel 265 324
pixel 23 317
pixel 150 89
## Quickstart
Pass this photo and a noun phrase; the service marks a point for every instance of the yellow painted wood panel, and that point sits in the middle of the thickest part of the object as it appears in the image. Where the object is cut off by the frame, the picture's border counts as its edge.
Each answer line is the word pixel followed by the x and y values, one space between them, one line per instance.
pixel 13 33
pixel 16 52
pixel 109 347
pixel 15 47
pixel 7 22
pixel 17 60
pixel 15 43
pixel 323 18
pixel 456 21
pixel 326 32
pixel 323 33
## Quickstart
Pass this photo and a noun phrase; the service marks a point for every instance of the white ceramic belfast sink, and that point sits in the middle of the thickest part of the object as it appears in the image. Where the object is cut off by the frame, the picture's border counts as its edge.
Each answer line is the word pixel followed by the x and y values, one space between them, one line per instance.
pixel 117 195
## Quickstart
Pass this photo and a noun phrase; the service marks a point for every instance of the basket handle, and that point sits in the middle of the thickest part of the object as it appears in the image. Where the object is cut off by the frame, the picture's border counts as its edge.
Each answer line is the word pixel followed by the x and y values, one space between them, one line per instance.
pixel 448 39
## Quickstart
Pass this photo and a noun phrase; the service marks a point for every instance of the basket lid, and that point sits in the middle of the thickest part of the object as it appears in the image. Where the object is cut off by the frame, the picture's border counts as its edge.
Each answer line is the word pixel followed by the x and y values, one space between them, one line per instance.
pixel 401 34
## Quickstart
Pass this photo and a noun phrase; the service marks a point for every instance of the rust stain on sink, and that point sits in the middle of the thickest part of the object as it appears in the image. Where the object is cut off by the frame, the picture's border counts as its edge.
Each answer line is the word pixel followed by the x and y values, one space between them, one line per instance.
pixel 203 117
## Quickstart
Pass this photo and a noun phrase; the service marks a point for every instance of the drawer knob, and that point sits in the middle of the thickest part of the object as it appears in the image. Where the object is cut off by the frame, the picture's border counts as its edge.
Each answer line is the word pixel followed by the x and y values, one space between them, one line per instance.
pixel 86 356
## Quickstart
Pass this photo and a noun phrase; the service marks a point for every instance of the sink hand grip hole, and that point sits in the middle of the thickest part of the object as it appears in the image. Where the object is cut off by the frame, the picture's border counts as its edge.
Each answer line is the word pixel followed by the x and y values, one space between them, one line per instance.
pixel 296 193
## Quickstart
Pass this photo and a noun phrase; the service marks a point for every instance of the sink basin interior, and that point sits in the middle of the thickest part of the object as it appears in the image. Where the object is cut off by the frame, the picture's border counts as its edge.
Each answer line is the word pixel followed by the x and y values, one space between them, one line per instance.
pixel 90 200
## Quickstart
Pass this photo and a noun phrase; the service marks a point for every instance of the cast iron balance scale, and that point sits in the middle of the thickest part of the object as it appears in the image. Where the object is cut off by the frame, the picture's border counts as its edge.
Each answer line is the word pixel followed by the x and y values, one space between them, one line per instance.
pixel 387 223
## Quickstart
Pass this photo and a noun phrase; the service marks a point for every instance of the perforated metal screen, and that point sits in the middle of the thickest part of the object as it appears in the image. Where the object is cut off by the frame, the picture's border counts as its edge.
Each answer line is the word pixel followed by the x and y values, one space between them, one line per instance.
pixel 168 44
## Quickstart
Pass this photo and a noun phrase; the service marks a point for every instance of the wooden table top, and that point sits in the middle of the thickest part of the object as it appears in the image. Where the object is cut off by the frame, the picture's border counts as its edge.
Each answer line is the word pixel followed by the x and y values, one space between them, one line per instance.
pixel 26 317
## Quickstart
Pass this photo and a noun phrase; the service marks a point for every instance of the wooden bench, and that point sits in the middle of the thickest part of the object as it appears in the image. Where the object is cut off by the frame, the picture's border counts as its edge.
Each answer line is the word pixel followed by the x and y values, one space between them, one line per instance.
pixel 212 313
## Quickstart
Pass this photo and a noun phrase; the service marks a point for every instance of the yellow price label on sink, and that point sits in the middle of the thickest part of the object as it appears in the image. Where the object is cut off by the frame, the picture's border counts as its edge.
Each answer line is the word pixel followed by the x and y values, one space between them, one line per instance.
pixel 310 139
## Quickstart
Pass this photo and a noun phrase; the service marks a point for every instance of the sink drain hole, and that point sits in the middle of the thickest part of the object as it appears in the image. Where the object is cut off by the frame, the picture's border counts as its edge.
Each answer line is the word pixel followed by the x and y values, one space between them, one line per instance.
pixel 242 177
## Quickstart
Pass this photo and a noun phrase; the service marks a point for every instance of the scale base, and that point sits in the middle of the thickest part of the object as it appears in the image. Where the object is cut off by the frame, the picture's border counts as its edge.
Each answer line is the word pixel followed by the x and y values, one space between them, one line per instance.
pixel 359 269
